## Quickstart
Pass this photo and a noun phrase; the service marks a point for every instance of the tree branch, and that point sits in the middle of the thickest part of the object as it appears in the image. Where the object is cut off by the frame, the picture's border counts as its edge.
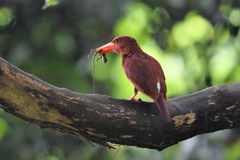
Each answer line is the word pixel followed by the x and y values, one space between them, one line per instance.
pixel 102 119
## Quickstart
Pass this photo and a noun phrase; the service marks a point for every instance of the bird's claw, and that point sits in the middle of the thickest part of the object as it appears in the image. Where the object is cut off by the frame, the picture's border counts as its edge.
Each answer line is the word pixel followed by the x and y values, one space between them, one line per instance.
pixel 132 99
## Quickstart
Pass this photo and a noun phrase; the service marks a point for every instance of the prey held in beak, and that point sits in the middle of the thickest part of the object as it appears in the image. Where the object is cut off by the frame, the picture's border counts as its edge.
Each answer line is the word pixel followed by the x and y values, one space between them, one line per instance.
pixel 107 48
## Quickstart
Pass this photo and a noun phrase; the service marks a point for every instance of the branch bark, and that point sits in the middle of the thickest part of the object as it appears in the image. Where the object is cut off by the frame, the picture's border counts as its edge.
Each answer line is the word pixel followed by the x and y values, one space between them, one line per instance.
pixel 102 119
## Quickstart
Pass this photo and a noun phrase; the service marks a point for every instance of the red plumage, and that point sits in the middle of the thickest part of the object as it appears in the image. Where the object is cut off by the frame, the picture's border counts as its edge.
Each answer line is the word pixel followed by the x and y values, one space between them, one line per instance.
pixel 141 69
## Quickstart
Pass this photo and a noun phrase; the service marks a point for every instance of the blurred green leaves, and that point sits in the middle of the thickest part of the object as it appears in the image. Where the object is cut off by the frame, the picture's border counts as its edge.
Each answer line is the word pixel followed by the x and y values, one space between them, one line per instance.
pixel 49 3
pixel 58 72
pixel 221 34
pixel 57 154
pixel 234 17
pixel 232 152
pixel 6 16
pixel 223 63
pixel 131 24
pixel 194 28
pixel 64 43
pixel 3 128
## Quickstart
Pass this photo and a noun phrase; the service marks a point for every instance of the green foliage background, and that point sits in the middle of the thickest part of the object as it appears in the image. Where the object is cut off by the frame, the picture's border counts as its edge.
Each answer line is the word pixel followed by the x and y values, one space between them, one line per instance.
pixel 197 43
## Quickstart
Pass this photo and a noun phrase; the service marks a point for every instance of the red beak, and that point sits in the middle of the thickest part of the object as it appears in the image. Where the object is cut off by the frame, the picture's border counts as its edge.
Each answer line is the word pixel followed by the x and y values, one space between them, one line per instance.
pixel 107 48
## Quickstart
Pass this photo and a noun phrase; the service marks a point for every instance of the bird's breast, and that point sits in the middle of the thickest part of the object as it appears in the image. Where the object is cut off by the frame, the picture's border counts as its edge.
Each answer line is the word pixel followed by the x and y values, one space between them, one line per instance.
pixel 128 62
pixel 132 67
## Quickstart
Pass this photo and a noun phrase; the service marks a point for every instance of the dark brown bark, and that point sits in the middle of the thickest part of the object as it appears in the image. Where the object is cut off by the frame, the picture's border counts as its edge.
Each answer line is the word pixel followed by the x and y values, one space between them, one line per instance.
pixel 101 119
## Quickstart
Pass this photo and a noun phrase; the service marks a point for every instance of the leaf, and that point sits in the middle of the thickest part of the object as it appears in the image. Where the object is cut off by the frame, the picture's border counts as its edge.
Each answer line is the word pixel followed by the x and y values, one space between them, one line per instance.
pixel 49 3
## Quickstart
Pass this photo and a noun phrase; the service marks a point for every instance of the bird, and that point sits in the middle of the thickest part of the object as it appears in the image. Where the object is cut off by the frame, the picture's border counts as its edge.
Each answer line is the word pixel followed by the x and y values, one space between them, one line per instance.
pixel 143 71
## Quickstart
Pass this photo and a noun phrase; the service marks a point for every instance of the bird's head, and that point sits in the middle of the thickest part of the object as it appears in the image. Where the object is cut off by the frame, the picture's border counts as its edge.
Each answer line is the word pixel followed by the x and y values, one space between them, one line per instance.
pixel 119 45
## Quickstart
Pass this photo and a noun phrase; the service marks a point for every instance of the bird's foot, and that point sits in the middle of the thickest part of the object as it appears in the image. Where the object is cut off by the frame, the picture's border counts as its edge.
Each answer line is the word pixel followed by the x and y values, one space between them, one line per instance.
pixel 132 99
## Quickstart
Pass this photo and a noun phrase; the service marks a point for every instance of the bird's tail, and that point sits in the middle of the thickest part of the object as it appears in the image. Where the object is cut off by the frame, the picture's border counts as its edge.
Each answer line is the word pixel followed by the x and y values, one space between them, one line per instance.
pixel 162 105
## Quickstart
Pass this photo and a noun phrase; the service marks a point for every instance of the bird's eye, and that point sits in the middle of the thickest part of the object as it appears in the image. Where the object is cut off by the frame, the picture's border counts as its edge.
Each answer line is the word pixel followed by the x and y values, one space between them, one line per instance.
pixel 116 40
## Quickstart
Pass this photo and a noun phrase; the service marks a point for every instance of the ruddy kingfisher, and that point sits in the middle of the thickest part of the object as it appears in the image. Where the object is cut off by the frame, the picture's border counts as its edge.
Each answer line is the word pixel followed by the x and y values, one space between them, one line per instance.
pixel 143 71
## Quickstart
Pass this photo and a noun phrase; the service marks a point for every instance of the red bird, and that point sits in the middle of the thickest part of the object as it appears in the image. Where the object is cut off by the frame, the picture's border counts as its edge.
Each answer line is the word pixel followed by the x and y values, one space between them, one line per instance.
pixel 142 70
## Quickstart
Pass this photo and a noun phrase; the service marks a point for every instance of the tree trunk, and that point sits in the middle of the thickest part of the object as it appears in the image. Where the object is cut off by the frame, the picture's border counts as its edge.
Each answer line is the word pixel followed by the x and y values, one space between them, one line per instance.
pixel 104 120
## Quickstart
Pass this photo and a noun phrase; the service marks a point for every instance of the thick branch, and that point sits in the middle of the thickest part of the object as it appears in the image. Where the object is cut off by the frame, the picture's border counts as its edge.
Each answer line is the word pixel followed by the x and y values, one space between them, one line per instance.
pixel 102 119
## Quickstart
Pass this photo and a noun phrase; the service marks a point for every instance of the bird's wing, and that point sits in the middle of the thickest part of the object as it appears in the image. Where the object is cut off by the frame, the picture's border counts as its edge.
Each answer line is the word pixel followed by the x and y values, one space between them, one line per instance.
pixel 146 75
